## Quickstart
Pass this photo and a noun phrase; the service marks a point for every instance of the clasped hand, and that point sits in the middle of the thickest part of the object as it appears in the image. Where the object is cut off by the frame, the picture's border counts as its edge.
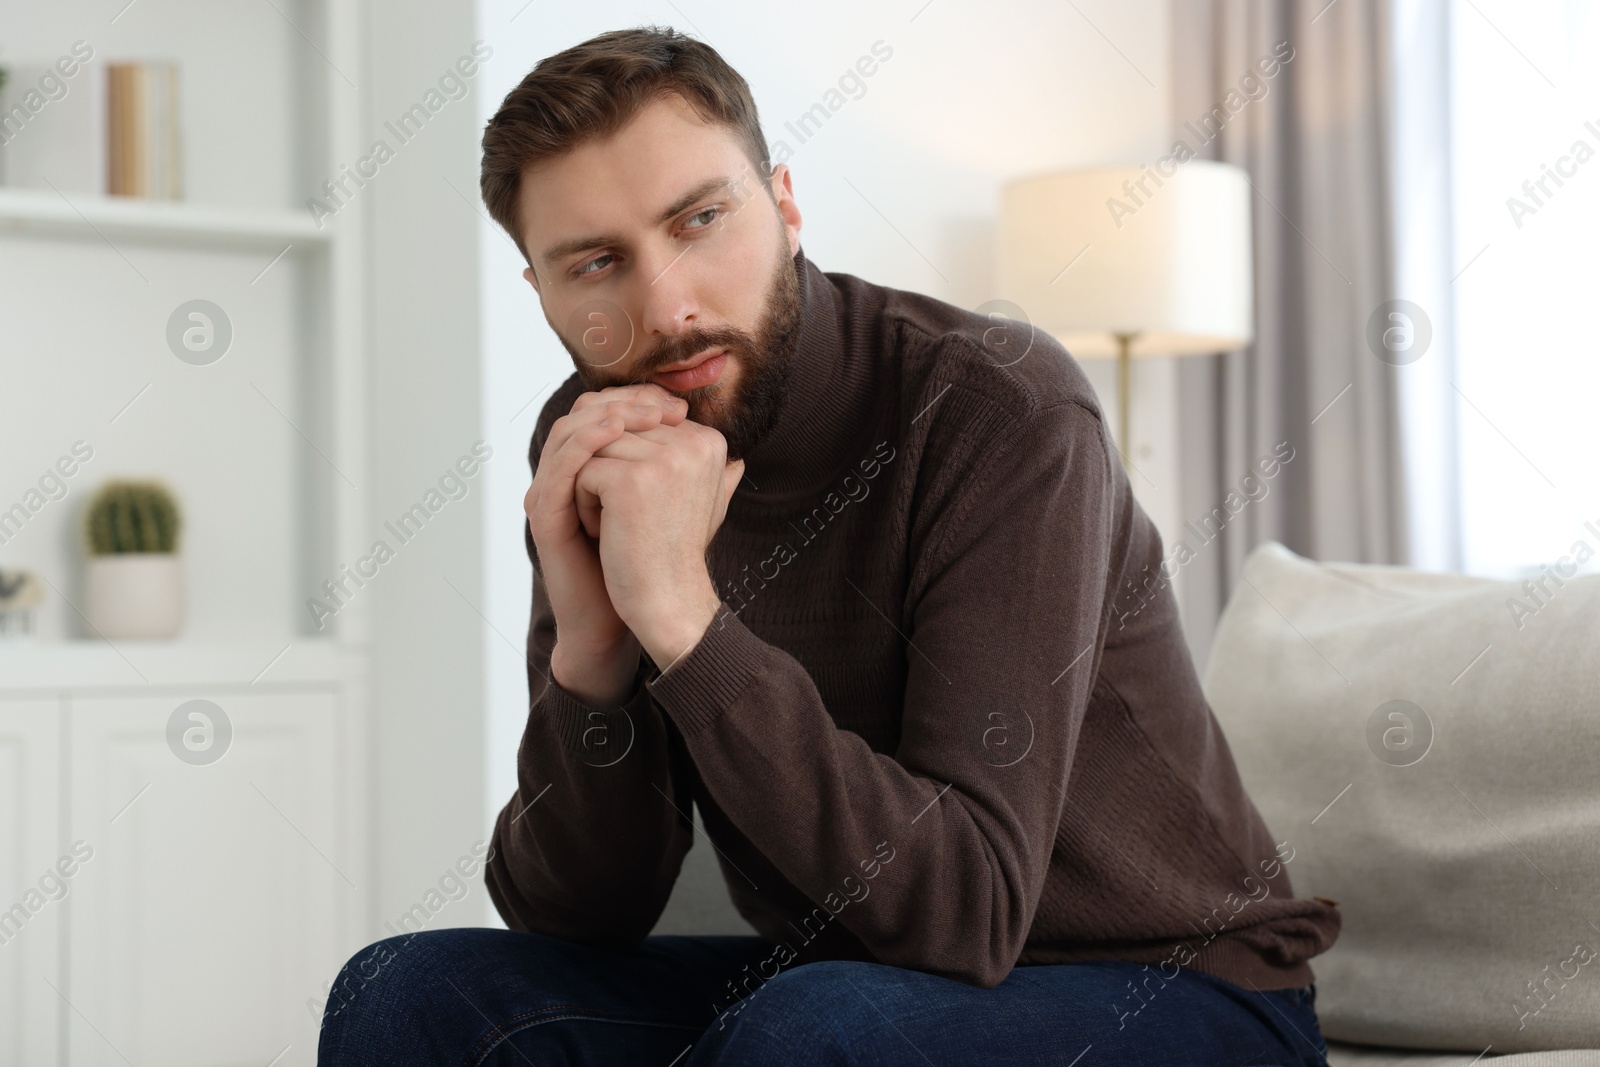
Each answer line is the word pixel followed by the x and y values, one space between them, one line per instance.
pixel 626 498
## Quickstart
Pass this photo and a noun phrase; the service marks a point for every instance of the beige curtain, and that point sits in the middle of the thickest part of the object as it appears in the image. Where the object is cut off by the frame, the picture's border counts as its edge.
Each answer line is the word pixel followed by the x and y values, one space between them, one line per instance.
pixel 1312 137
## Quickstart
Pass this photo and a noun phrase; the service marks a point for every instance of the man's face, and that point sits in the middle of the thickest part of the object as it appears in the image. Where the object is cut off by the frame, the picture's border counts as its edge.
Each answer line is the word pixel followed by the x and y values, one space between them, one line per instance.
pixel 659 256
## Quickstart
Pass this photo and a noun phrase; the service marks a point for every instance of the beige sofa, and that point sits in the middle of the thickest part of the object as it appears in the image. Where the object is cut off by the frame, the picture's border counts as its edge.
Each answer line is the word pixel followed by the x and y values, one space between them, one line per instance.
pixel 1430 745
pixel 1462 840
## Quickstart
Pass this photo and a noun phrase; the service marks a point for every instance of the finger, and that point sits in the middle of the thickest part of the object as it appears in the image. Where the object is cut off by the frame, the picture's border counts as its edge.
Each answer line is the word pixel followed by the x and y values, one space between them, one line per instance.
pixel 634 391
pixel 640 406
pixel 645 445
pixel 632 447
pixel 588 508
pixel 597 476
pixel 628 449
pixel 638 445
pixel 589 430
pixel 635 414
pixel 640 393
pixel 552 498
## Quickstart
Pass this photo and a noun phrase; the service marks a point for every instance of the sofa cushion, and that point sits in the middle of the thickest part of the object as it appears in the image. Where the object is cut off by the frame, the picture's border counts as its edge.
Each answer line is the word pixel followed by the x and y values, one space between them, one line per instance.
pixel 1430 746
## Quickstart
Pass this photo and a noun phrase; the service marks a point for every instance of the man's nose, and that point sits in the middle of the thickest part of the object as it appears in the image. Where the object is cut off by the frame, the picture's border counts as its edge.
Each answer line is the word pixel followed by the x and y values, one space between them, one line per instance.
pixel 668 304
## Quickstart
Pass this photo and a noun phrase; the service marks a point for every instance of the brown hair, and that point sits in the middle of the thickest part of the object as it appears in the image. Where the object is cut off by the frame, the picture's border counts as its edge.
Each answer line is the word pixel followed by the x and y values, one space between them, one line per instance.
pixel 592 90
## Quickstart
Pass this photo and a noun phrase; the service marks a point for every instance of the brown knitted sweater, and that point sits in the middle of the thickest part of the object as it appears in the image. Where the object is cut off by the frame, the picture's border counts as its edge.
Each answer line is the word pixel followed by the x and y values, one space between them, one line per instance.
pixel 947 719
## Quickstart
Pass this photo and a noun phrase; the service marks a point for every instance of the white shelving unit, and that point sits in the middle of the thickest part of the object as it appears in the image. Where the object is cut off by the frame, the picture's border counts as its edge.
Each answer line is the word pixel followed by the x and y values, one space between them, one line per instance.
pixel 32 212
pixel 220 898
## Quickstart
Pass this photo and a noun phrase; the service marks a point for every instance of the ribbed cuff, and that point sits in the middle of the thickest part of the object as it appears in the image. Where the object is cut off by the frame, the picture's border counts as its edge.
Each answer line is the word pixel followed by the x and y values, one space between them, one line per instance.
pixel 708 678
pixel 599 735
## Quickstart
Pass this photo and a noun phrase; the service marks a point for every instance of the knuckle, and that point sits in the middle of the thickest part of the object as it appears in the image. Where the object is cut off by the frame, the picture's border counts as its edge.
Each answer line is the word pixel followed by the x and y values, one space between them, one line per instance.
pixel 602 422
pixel 709 442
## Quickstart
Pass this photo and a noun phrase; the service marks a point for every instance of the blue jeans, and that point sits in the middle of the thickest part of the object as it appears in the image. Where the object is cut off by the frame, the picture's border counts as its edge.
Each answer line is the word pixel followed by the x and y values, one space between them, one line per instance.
pixel 480 996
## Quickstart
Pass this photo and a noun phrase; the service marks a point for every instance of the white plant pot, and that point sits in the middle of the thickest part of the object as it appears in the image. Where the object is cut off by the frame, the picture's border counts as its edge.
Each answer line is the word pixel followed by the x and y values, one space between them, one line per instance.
pixel 134 594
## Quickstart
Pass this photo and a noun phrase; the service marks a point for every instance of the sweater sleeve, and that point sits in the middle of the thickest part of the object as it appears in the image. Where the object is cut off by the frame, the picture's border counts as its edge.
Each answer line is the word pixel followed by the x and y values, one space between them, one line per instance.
pixel 591 842
pixel 935 857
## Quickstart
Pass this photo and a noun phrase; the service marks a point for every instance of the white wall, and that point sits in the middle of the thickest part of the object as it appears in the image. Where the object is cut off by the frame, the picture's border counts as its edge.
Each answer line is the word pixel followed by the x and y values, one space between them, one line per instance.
pixel 899 187
pixel 427 636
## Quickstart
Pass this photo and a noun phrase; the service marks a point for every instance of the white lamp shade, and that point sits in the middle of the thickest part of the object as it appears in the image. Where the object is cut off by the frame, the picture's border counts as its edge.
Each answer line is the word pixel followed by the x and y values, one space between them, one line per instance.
pixel 1166 257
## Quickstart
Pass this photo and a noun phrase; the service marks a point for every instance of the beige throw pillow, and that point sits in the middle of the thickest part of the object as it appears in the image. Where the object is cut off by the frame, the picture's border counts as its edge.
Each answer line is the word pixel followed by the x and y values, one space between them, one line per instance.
pixel 1430 746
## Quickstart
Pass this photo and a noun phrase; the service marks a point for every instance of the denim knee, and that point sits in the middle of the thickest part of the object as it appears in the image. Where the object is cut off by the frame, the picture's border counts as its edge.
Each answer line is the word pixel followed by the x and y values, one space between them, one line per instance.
pixel 377 1001
pixel 813 1007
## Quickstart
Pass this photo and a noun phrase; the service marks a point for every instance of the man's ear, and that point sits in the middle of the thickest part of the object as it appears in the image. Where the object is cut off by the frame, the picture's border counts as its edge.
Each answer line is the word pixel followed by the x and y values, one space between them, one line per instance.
pixel 533 279
pixel 782 186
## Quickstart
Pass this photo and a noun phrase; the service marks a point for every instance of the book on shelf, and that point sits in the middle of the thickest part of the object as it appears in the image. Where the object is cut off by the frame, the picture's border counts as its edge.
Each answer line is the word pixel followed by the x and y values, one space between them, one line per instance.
pixel 110 128
pixel 143 147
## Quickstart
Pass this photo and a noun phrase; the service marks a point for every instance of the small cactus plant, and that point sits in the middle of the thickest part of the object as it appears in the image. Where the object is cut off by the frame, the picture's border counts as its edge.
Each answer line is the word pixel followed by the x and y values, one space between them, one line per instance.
pixel 132 516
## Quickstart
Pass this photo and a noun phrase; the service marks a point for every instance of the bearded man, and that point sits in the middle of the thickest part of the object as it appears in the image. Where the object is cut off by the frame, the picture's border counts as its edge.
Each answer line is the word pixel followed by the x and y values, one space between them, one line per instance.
pixel 858 574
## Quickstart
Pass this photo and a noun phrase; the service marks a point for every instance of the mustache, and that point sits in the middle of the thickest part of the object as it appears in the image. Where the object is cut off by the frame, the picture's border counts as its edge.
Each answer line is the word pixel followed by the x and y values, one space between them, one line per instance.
pixel 677 349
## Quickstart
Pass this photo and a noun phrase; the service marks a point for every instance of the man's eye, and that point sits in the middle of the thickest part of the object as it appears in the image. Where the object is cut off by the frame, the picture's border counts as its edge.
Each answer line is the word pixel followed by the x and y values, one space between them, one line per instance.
pixel 711 211
pixel 596 260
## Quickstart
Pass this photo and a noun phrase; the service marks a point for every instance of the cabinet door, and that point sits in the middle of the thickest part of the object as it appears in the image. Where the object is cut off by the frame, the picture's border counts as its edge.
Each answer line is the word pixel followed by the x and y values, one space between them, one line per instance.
pixel 207 917
pixel 34 895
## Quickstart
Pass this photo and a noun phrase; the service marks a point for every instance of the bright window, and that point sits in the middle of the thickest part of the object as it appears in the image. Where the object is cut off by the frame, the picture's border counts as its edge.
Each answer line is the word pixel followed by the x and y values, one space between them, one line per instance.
pixel 1526 145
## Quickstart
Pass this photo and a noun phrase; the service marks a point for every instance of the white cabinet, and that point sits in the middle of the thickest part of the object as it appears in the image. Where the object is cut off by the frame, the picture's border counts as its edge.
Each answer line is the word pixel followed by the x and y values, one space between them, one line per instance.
pixel 33 894
pixel 184 909
pixel 210 911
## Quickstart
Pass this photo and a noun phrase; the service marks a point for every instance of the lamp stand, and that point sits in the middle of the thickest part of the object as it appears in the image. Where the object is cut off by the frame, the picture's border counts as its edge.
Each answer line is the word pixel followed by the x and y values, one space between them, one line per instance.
pixel 1124 393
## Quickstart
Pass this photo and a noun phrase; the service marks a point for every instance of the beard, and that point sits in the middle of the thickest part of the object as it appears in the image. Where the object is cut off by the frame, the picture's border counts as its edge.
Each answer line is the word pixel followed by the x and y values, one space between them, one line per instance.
pixel 745 412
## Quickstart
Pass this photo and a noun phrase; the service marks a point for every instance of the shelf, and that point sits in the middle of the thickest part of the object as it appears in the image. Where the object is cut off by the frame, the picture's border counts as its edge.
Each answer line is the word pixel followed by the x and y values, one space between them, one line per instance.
pixel 43 666
pixel 83 215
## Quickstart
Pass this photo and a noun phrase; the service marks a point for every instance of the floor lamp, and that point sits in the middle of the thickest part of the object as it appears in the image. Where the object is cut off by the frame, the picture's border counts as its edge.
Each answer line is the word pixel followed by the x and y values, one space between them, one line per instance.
pixel 1124 262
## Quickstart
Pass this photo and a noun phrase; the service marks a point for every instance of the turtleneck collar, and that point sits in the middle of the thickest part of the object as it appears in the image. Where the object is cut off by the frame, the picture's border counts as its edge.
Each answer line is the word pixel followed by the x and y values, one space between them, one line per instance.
pixel 825 411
